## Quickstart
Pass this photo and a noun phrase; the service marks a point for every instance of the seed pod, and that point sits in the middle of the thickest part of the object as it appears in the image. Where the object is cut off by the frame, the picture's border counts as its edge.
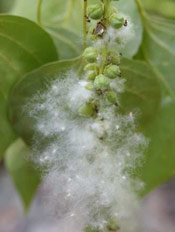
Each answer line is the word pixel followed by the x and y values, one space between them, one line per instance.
pixel 90 54
pixel 88 110
pixel 91 75
pixel 112 71
pixel 111 96
pixel 116 21
pixel 101 82
pixel 90 67
pixel 89 86
pixel 114 58
pixel 95 11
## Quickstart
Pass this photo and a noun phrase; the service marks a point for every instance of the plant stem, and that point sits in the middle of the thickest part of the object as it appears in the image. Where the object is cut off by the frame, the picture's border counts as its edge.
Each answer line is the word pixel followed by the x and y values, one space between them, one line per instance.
pixel 39 12
pixel 106 13
pixel 106 24
pixel 85 24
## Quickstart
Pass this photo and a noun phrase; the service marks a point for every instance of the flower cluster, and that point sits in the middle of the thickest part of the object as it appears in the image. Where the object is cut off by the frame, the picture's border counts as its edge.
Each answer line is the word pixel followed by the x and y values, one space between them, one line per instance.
pixel 92 148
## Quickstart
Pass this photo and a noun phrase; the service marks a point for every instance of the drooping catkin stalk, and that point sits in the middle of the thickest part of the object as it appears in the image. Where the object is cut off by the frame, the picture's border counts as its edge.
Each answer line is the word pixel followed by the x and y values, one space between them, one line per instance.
pixel 91 145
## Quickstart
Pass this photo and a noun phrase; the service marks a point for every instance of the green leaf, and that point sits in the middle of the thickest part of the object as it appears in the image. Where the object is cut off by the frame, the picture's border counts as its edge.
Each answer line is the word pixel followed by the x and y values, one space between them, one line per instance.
pixel 5 5
pixel 62 13
pixel 158 48
pixel 142 90
pixel 159 164
pixel 24 46
pixel 164 7
pixel 25 177
pixel 68 43
pixel 27 88
pixel 131 11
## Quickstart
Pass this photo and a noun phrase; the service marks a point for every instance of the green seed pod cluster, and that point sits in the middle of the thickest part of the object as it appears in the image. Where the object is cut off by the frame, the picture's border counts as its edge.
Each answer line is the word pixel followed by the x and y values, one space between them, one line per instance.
pixel 91 71
pixel 90 54
pixel 116 20
pixel 95 11
pixel 89 85
pixel 102 63
pixel 101 82
pixel 90 67
pixel 113 58
pixel 102 74
pixel 91 75
pixel 111 97
pixel 112 71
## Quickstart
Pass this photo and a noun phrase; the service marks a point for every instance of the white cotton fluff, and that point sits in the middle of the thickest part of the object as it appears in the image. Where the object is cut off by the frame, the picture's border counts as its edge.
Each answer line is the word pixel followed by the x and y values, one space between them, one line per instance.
pixel 87 159
pixel 121 36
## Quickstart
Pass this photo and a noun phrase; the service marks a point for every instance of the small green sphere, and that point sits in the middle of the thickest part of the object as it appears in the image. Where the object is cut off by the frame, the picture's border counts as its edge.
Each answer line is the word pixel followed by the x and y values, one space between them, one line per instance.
pixel 111 96
pixel 95 11
pixel 90 67
pixel 116 21
pixel 101 82
pixel 114 58
pixel 89 85
pixel 87 110
pixel 112 71
pixel 91 75
pixel 90 54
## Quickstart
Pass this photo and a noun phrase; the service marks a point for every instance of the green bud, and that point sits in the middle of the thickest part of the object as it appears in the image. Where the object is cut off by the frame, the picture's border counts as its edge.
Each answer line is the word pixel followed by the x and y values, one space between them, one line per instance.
pixel 114 58
pixel 89 86
pixel 111 96
pixel 112 71
pixel 90 54
pixel 95 11
pixel 90 67
pixel 101 82
pixel 91 75
pixel 116 21
pixel 87 110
